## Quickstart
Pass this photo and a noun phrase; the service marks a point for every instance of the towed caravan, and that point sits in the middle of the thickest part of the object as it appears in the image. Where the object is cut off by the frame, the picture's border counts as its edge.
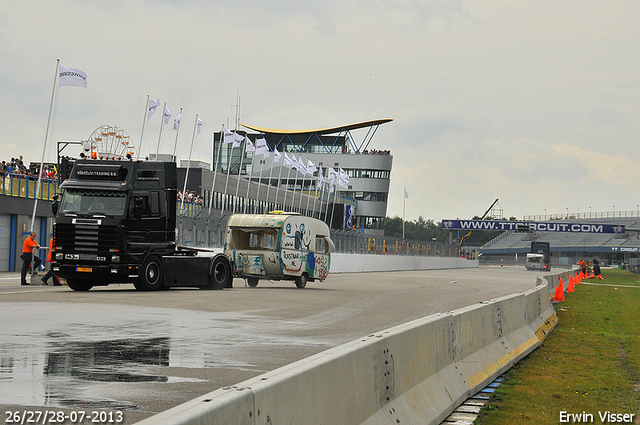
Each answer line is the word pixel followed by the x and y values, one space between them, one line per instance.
pixel 278 246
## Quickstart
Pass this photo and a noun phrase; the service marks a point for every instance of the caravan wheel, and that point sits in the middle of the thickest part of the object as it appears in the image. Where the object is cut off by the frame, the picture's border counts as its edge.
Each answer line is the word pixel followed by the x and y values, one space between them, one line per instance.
pixel 301 281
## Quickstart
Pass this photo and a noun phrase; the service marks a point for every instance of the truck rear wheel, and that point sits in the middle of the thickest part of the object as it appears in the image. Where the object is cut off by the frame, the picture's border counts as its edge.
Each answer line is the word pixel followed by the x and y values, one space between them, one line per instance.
pixel 79 285
pixel 152 273
pixel 301 281
pixel 219 273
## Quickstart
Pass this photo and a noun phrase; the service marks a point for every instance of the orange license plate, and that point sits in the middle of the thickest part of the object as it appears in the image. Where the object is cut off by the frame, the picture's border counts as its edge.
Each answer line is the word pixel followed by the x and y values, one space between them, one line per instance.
pixel 84 269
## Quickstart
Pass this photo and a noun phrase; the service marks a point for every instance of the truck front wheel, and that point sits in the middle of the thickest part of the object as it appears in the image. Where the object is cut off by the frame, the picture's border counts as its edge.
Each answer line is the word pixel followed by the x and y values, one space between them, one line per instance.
pixel 79 285
pixel 152 273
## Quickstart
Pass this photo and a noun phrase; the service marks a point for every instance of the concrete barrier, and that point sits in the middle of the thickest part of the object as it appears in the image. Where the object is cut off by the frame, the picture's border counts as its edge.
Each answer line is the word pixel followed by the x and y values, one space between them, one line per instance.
pixel 418 372
pixel 357 263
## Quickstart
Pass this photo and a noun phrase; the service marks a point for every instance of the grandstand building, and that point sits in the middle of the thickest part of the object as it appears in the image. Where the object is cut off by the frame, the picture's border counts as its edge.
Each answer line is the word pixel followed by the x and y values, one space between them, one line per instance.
pixel 246 182
pixel 568 248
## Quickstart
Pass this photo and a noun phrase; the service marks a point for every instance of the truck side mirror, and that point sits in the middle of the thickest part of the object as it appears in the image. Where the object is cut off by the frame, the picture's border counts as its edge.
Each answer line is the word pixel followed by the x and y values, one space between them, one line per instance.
pixel 136 211
pixel 55 204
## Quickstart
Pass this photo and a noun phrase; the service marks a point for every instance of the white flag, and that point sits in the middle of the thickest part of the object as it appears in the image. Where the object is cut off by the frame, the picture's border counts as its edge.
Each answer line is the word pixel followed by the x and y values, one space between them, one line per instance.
pixel 320 178
pixel 301 167
pixel 311 167
pixel 152 106
pixel 248 146
pixel 406 194
pixel 332 175
pixel 71 77
pixel 262 148
pixel 343 179
pixel 176 122
pixel 287 161
pixel 231 137
pixel 276 155
pixel 167 115
pixel 199 125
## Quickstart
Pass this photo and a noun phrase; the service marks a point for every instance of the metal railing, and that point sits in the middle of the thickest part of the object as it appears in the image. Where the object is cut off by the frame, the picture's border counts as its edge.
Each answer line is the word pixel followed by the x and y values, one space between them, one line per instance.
pixel 26 186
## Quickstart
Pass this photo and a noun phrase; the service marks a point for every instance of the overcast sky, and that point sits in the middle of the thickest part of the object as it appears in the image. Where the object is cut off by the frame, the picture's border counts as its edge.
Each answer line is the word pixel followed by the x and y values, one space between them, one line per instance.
pixel 532 102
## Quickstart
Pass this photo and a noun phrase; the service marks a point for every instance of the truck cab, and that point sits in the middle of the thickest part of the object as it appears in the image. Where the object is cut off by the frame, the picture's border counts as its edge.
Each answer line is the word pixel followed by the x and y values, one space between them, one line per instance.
pixel 111 217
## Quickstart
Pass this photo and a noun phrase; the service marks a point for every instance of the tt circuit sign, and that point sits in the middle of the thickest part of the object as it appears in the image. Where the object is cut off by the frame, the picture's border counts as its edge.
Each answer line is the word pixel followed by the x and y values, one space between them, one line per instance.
pixel 530 226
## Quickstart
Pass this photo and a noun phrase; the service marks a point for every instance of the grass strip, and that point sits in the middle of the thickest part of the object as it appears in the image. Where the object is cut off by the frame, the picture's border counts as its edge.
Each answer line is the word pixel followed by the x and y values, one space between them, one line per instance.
pixel 588 366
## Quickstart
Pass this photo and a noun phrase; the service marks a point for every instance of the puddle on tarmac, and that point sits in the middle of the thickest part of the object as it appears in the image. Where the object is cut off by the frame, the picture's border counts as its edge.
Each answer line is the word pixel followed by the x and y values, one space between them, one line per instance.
pixel 67 356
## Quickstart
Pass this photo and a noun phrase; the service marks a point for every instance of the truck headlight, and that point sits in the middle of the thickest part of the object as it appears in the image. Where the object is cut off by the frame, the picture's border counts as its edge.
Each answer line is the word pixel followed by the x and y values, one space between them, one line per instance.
pixel 59 255
pixel 115 258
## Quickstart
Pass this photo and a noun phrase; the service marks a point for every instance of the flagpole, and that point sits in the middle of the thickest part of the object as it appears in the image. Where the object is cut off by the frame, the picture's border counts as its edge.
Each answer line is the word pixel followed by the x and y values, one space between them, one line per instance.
pixel 284 201
pixel 186 176
pixel 144 120
pixel 315 195
pixel 253 157
pixel 239 173
pixel 295 183
pixel 304 174
pixel 326 209
pixel 309 194
pixel 228 172
pixel 278 186
pixel 46 135
pixel 215 165
pixel 161 126
pixel 270 176
pixel 404 203
pixel 259 181
pixel 333 207
pixel 175 144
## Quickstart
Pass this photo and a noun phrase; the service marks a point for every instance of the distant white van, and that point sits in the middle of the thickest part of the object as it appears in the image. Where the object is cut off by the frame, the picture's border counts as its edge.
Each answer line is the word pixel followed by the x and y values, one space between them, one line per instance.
pixel 278 246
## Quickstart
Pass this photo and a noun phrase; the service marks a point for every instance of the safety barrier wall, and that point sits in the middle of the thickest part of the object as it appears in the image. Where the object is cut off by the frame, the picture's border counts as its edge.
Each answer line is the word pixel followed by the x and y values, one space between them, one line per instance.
pixel 357 263
pixel 418 372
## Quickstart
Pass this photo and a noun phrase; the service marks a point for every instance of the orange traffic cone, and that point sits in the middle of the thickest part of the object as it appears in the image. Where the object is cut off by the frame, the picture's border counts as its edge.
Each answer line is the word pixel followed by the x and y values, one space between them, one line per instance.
pixel 575 279
pixel 571 284
pixel 559 295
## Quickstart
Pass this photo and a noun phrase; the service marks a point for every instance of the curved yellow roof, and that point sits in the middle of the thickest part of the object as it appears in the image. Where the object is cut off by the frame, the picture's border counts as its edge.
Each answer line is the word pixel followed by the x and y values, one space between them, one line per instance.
pixel 329 130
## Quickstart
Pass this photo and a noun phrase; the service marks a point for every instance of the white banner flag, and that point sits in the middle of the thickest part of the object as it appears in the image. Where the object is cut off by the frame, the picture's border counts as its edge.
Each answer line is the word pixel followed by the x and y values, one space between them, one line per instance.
pixel 71 77
pixel 311 167
pixel 248 146
pixel 287 161
pixel 262 148
pixel 199 125
pixel 167 115
pixel 176 122
pixel 151 108
pixel 276 155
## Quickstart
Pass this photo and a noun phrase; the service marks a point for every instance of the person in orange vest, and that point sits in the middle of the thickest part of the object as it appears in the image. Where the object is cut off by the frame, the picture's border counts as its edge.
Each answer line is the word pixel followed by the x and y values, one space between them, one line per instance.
pixel 583 266
pixel 56 279
pixel 27 255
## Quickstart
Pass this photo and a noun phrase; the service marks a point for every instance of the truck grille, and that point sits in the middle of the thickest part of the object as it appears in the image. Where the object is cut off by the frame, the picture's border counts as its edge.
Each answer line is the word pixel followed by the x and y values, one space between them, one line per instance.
pixel 84 238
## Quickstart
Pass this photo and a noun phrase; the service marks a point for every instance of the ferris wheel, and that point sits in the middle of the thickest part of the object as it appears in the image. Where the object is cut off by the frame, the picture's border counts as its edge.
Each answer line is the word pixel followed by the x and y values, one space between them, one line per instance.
pixel 109 141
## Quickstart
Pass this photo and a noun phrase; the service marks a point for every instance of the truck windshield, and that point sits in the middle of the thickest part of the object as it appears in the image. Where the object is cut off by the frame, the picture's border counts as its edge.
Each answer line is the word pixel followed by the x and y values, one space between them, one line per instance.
pixel 92 202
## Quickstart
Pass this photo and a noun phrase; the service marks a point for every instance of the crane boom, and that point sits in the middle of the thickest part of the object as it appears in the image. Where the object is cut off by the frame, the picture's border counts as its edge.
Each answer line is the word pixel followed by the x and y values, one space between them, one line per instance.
pixel 481 218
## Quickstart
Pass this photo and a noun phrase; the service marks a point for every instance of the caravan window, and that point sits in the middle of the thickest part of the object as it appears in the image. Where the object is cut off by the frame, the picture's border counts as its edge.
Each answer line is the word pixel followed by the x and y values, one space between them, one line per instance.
pixel 254 240
pixel 321 244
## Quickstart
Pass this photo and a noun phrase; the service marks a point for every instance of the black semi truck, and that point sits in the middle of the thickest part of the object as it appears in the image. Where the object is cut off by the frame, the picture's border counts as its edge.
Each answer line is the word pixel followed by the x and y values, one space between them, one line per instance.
pixel 540 257
pixel 116 223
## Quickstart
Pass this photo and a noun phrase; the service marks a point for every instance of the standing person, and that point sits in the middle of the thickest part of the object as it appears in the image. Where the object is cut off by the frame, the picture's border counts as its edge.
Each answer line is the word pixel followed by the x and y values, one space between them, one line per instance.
pixel 583 266
pixel 596 269
pixel 27 255
pixel 56 279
